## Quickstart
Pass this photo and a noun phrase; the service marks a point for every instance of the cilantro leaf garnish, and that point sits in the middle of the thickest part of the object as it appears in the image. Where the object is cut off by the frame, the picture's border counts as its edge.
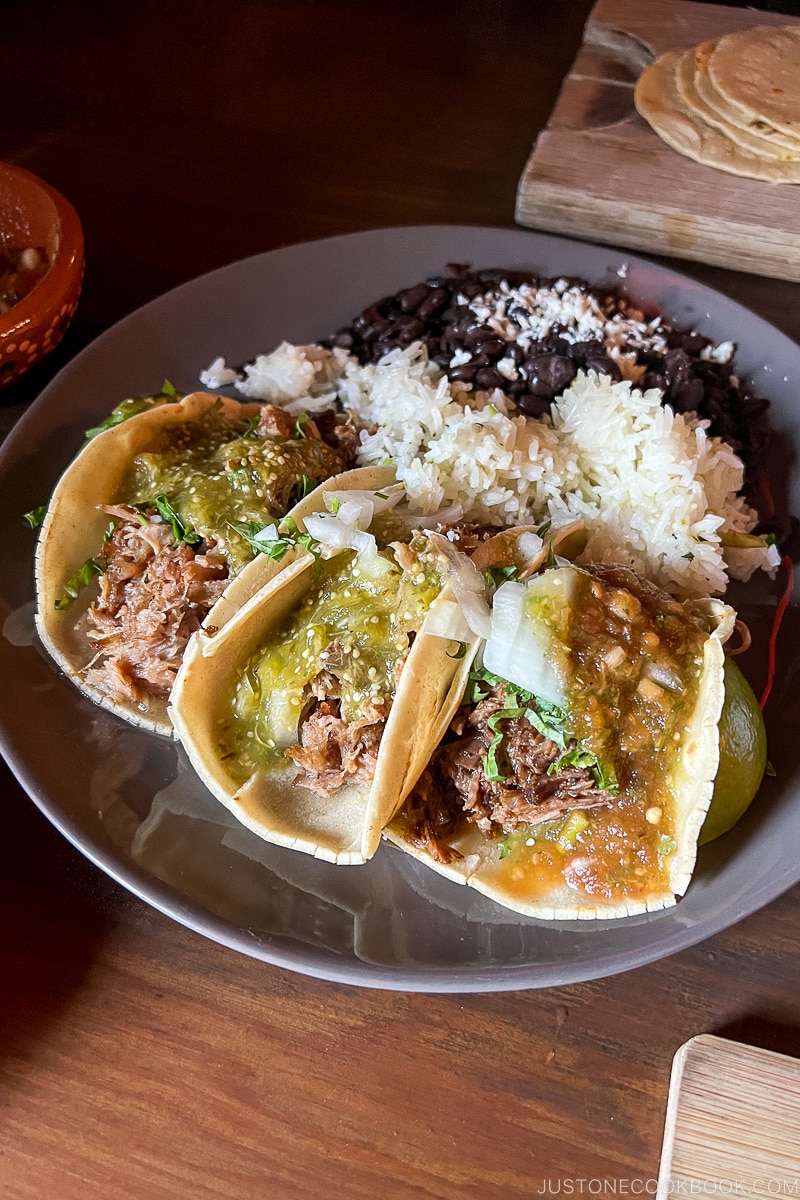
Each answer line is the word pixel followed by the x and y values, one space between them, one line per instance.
pixel 252 425
pixel 490 767
pixel 275 548
pixel 181 530
pixel 304 488
pixel 35 517
pixel 497 575
pixel 74 586
pixel 134 406
pixel 460 652
pixel 300 425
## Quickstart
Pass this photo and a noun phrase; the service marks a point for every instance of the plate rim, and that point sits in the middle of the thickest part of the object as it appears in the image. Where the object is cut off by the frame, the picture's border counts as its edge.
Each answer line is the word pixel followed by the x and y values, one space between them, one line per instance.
pixel 304 958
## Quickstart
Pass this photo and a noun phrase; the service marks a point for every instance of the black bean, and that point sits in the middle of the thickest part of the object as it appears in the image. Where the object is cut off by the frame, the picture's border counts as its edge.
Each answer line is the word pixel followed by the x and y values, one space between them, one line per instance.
pixel 549 374
pixel 604 365
pixel 677 367
pixel 433 302
pixel 464 373
pixel 693 343
pixel 494 347
pixel 478 333
pixel 371 325
pixel 652 379
pixel 580 351
pixel 488 378
pixel 407 330
pixel 344 338
pixel 685 397
pixel 534 406
pixel 411 298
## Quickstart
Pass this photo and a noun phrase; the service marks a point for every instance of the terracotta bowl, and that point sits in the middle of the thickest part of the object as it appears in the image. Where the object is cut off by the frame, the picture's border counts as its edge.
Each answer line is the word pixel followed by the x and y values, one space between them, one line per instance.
pixel 34 214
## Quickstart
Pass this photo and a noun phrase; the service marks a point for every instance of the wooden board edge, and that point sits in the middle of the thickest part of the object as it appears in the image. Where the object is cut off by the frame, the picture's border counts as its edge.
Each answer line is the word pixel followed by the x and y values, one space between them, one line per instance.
pixel 632 226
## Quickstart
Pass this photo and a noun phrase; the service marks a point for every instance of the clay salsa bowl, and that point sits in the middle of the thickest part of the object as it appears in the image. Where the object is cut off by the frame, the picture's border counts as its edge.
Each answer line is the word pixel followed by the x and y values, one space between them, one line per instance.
pixel 33 214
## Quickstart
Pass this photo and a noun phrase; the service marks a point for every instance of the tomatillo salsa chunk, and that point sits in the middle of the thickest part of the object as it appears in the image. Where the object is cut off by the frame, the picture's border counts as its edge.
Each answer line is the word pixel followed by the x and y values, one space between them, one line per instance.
pixel 331 671
pixel 213 476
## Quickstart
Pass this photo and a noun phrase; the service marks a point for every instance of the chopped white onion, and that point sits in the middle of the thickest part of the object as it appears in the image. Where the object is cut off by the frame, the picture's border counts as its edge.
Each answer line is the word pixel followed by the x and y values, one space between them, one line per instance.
pixel 518 647
pixel 332 534
pixel 358 508
pixel 446 620
pixel 529 548
pixel 266 535
pixel 467 583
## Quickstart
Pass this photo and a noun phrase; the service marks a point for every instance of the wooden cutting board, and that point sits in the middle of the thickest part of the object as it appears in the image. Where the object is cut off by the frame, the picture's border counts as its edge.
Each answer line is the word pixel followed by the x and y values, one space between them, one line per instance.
pixel 598 170
pixel 733 1122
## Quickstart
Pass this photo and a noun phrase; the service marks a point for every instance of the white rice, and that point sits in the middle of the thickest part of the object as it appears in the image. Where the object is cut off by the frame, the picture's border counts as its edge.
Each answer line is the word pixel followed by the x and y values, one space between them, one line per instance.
pixel 652 487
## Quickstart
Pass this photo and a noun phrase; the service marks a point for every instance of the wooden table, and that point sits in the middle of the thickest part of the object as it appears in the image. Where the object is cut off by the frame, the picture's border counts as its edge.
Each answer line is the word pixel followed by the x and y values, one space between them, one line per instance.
pixel 139 1060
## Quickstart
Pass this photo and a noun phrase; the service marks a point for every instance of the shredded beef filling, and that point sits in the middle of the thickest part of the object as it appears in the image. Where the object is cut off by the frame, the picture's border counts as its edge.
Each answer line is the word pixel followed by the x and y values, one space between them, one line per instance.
pixel 153 596
pixel 334 430
pixel 333 751
pixel 454 787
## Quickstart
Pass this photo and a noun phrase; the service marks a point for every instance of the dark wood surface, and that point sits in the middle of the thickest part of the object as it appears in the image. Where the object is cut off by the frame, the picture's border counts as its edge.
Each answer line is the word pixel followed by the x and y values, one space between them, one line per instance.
pixel 139 1060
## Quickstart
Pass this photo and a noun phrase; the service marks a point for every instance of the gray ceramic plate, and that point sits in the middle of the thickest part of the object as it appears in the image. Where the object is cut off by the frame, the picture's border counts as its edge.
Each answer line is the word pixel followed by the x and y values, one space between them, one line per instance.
pixel 130 802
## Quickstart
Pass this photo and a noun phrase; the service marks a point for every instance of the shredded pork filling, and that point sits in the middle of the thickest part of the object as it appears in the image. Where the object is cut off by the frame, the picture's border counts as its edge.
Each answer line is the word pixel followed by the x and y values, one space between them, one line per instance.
pixel 153 597
pixel 331 750
pixel 455 788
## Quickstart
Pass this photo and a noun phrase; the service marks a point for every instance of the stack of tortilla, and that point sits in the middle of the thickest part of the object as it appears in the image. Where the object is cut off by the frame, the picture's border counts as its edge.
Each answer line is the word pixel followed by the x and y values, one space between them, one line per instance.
pixel 733 104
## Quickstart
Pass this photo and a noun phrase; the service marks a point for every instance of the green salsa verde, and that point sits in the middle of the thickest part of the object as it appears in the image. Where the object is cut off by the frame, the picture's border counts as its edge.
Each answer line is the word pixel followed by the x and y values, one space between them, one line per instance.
pixel 354 623
pixel 212 475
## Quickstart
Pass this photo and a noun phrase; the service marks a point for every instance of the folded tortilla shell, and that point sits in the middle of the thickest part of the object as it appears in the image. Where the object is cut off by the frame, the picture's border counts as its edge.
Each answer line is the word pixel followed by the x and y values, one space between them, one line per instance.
pixel 691 776
pixel 74 526
pixel 344 827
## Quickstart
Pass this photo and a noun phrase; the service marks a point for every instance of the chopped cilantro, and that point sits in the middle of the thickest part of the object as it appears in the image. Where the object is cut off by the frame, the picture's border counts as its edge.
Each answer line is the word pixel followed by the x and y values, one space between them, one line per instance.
pixel 134 406
pixel 82 577
pixel 334 505
pixel 503 850
pixel 497 575
pixel 460 652
pixel 490 767
pixel 665 845
pixel 300 425
pixel 491 410
pixel 181 531
pixel 304 488
pixel 276 548
pixel 35 517
pixel 252 425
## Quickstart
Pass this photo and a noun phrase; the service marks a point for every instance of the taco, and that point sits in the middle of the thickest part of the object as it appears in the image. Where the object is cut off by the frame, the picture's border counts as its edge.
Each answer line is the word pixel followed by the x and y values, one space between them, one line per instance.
pixel 574 778
pixel 154 521
pixel 325 684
